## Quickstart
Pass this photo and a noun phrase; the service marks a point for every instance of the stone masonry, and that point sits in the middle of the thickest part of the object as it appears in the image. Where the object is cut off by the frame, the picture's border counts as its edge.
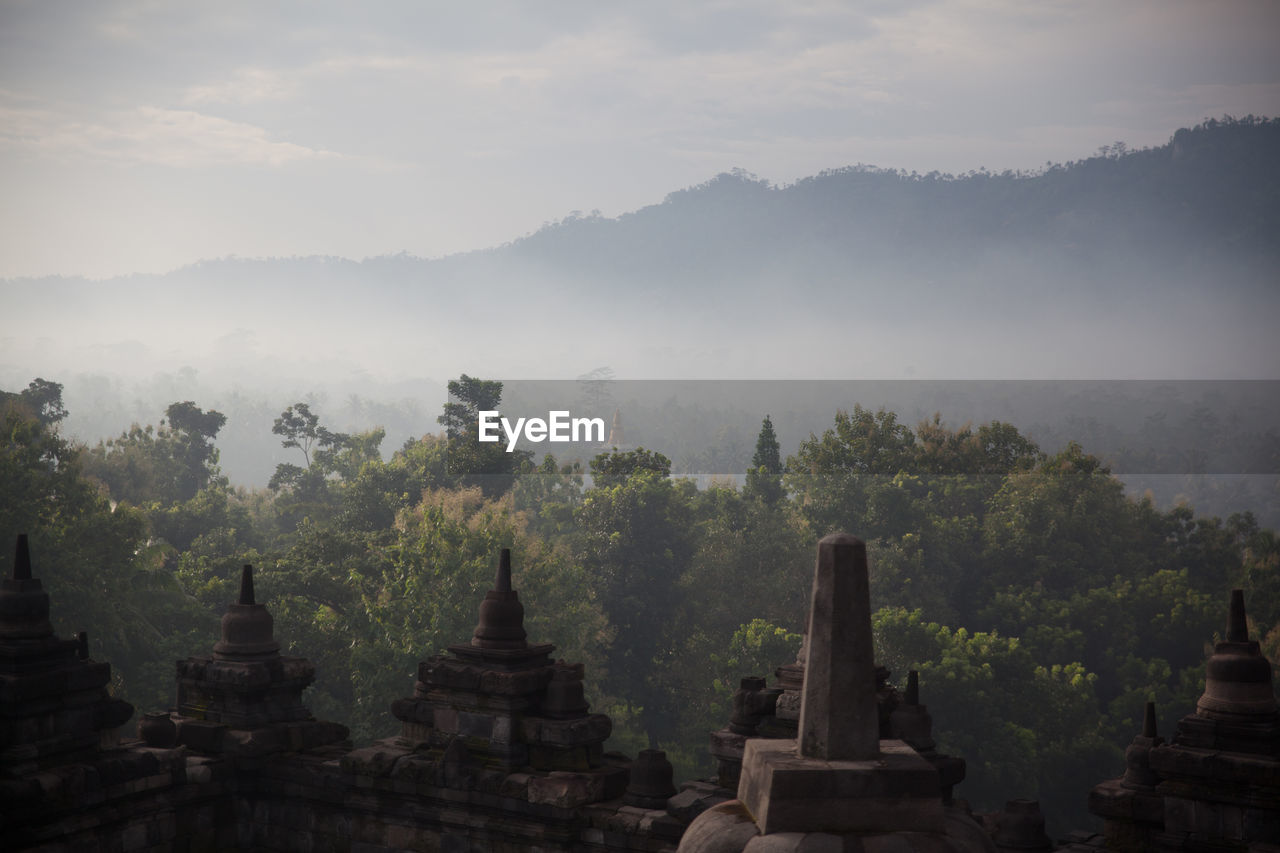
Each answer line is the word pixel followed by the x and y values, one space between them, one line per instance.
pixel 839 785
pixel 498 751
pixel 1216 786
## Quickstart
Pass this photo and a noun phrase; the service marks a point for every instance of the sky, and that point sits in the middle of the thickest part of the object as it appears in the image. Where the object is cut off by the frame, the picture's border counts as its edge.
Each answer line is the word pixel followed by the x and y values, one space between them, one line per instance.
pixel 143 136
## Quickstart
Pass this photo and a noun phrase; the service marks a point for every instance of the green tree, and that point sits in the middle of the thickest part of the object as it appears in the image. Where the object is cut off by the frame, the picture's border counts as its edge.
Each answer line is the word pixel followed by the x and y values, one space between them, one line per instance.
pixel 550 495
pixel 472 462
pixel 616 466
pixel 300 427
pixel 166 464
pixel 1020 725
pixel 833 476
pixel 366 605
pixel 635 542
pixel 42 398
pixel 102 573
pixel 1066 524
pixel 330 458
pixel 764 478
pixel 193 433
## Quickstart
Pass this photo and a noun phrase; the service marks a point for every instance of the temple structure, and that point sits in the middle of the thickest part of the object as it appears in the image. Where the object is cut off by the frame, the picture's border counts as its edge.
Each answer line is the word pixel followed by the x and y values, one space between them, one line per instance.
pixel 1216 786
pixel 838 785
pixel 246 698
pixel 498 750
pixel 67 780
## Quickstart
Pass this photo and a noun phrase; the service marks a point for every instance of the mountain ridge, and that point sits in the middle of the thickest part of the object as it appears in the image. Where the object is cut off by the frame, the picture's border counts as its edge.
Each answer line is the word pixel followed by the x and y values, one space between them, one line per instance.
pixel 1219 179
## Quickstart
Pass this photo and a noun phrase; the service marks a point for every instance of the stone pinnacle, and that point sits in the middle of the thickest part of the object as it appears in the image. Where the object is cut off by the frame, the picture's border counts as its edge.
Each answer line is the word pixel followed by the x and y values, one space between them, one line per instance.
pixel 1237 627
pixel 839 718
pixel 913 688
pixel 502 581
pixel 501 623
pixel 22 560
pixel 246 585
pixel 1149 721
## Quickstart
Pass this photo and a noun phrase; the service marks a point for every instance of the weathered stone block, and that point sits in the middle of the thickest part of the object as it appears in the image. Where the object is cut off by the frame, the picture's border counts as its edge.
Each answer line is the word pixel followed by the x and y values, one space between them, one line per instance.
pixel 475 725
pixel 446 720
pixel 376 760
pixel 502 729
pixel 567 790
pixel 687 805
pixel 898 791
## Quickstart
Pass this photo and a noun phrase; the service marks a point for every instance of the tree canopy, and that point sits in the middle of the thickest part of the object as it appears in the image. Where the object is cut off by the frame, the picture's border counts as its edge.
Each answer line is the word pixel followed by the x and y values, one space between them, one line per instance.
pixel 1041 604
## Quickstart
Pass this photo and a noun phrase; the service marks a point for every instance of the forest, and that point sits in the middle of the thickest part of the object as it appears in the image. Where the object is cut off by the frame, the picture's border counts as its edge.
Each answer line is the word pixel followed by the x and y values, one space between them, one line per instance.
pixel 1041 603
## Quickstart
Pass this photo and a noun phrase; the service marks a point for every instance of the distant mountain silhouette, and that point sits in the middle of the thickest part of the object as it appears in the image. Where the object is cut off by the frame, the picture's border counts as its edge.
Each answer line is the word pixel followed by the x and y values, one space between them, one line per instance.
pixel 1211 193
pixel 1146 263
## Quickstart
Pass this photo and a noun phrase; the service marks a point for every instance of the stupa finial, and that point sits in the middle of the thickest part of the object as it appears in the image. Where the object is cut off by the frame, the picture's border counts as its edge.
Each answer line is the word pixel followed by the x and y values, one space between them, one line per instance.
pixel 22 559
pixel 502 581
pixel 246 585
pixel 1237 626
pixel 501 613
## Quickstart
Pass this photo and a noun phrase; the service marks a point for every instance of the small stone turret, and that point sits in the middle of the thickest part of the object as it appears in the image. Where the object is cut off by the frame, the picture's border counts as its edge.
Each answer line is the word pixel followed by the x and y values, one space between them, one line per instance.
pixel 1217 784
pixel 651 780
pixel 1237 685
pixel 1137 757
pixel 248 629
pixel 24 605
pixel 246 699
pixel 54 705
pixel 911 721
pixel 1020 828
pixel 839 785
pixel 501 613
pixel 508 699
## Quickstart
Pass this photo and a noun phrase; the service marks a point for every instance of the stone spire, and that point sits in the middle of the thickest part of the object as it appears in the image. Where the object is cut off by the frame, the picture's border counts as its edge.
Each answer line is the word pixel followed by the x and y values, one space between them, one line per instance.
pixel 246 699
pixel 246 585
pixel 837 786
pixel 1219 779
pixel 24 605
pixel 247 627
pixel 54 704
pixel 1137 758
pixel 22 559
pixel 511 703
pixel 911 721
pixel 1237 677
pixel 501 613
pixel 839 719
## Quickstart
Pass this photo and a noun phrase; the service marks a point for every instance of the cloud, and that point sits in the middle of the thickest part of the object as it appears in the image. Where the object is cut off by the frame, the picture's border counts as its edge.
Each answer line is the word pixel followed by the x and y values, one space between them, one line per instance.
pixel 245 86
pixel 455 126
pixel 148 135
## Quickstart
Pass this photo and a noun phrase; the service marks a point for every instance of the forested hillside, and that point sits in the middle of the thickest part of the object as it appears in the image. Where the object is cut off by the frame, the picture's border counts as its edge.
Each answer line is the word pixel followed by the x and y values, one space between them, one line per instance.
pixel 1136 264
pixel 1212 194
pixel 1041 605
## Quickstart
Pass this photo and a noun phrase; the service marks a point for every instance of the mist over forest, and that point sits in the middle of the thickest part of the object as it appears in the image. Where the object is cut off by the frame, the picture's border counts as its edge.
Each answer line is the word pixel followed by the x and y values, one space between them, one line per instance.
pixel 1135 264
pixel 1157 263
pixel 981 374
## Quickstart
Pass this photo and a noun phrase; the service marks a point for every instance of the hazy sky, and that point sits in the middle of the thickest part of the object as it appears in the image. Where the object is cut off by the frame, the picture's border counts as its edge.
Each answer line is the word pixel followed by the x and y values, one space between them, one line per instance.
pixel 140 136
